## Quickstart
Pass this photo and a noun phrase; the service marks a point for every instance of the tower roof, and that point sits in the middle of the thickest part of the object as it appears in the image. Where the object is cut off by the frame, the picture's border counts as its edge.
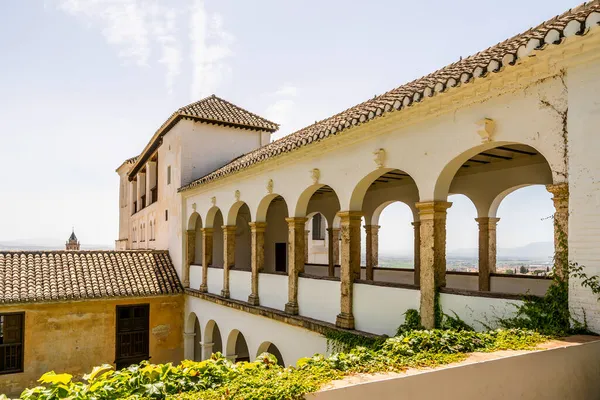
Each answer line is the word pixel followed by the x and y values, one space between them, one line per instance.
pixel 73 238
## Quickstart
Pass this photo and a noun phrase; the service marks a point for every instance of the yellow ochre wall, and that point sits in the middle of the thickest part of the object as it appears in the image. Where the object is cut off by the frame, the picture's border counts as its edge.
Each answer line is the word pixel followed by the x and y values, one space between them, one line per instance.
pixel 75 336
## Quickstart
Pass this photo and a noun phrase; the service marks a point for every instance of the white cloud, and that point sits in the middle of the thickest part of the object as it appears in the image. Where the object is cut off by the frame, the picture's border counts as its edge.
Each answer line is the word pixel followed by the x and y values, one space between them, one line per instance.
pixel 211 47
pixel 133 28
pixel 280 111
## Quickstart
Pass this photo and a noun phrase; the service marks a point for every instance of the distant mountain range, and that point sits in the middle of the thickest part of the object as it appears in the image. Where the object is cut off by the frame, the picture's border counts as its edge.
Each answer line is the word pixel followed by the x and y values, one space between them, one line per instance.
pixel 536 251
pixel 47 244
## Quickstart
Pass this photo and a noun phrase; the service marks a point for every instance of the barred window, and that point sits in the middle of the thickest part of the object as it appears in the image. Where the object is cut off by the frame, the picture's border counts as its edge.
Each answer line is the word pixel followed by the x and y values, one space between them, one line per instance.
pixel 11 342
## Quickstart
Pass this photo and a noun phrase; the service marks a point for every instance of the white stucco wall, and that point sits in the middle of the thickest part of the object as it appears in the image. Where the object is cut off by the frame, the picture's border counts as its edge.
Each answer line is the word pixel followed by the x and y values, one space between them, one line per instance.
pixel 468 282
pixel 476 311
pixel 584 185
pixel 195 276
pixel 511 285
pixel 395 276
pixel 215 280
pixel 293 342
pixel 319 298
pixel 240 284
pixel 380 309
pixel 273 290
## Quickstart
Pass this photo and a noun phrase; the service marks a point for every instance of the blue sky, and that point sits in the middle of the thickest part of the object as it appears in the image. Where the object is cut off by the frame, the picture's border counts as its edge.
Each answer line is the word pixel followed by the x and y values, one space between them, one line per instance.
pixel 85 83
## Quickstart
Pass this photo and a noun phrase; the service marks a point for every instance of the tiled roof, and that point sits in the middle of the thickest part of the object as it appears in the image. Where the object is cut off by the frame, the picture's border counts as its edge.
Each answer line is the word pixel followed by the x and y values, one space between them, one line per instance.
pixel 211 110
pixel 576 21
pixel 41 276
pixel 216 110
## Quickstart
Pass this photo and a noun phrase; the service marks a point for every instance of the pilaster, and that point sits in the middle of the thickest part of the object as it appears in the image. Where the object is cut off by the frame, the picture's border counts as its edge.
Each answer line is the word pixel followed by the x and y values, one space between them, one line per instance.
pixel 296 256
pixel 560 197
pixel 257 233
pixel 487 250
pixel 190 238
pixel 417 252
pixel 432 215
pixel 333 249
pixel 350 265
pixel 228 256
pixel 207 253
pixel 372 248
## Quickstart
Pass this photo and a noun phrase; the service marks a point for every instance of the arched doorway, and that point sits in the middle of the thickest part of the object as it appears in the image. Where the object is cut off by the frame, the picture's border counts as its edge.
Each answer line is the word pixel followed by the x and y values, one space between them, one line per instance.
pixel 237 348
pixel 212 334
pixel 268 347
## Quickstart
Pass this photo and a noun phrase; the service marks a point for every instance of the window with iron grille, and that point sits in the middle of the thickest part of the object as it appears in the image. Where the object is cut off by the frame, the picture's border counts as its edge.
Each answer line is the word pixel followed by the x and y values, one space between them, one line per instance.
pixel 11 342
pixel 133 334
pixel 317 227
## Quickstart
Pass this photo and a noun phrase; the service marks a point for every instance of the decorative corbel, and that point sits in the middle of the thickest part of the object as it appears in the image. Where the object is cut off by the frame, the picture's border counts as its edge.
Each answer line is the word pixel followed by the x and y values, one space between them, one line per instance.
pixel 237 195
pixel 194 206
pixel 213 201
pixel 488 129
pixel 379 157
pixel 315 175
pixel 270 186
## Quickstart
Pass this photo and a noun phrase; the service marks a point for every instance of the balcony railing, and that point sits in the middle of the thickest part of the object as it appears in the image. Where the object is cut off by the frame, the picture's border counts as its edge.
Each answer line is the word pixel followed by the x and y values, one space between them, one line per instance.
pixel 154 194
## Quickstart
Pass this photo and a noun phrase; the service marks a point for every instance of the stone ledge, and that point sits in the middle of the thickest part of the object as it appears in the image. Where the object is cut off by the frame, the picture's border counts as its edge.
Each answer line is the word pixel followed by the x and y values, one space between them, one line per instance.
pixel 311 324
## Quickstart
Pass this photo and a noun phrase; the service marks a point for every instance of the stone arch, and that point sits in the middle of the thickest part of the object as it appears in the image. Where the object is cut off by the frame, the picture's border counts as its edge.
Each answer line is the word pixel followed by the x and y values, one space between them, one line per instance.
pixel 493 209
pixel 243 238
pixel 263 207
pixel 192 221
pixel 374 217
pixel 211 215
pixel 268 347
pixel 448 173
pixel 237 347
pixel 212 334
pixel 360 189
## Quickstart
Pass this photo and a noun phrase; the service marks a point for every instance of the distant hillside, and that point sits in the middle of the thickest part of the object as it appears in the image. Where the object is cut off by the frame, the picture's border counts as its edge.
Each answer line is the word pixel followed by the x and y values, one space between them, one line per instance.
pixel 536 250
pixel 46 244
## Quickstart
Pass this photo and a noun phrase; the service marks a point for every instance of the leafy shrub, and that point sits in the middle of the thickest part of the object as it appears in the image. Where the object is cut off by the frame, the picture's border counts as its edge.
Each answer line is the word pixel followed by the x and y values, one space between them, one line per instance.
pixel 218 378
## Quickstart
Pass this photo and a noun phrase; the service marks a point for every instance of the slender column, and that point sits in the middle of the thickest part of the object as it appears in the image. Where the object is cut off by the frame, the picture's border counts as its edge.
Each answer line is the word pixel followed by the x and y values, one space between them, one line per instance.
pixel 257 231
pixel 333 249
pixel 560 197
pixel 372 249
pixel 190 238
pixel 207 350
pixel 350 265
pixel 306 242
pixel 207 253
pixel 188 344
pixel 417 252
pixel 487 250
pixel 228 256
pixel 296 256
pixel 432 215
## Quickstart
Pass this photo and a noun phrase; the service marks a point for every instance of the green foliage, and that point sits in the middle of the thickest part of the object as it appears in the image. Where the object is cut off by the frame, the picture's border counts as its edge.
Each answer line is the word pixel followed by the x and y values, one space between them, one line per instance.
pixel 218 378
pixel 340 341
pixel 412 322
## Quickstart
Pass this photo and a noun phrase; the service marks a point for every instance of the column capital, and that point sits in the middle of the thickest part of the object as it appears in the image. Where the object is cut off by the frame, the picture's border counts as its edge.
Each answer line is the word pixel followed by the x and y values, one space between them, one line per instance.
pixel 296 222
pixel 559 190
pixel 257 226
pixel 191 231
pixel 416 224
pixel 487 220
pixel 189 334
pixel 207 231
pixel 432 207
pixel 372 228
pixel 333 229
pixel 229 228
pixel 350 215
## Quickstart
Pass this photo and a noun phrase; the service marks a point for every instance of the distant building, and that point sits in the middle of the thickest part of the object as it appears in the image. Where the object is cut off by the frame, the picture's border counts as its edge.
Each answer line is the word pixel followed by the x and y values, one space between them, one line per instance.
pixel 72 243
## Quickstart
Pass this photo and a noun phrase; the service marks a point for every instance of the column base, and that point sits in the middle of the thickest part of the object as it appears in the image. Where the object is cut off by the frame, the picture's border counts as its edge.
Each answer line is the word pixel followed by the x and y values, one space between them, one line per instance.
pixel 291 308
pixel 225 293
pixel 186 284
pixel 345 321
pixel 203 289
pixel 253 300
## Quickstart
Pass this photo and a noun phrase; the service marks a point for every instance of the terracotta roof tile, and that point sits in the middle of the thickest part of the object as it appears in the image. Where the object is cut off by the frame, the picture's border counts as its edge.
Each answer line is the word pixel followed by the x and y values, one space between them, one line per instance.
pixel 38 276
pixel 576 21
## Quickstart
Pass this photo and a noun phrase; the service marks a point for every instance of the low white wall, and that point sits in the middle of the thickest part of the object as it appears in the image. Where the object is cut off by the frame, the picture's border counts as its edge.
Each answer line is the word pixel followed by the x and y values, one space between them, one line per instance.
pixel 395 276
pixel 476 311
pixel 380 309
pixel 319 299
pixel 195 276
pixel 513 285
pixel 465 282
pixel 562 373
pixel 273 290
pixel 240 284
pixel 293 342
pixel 215 280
